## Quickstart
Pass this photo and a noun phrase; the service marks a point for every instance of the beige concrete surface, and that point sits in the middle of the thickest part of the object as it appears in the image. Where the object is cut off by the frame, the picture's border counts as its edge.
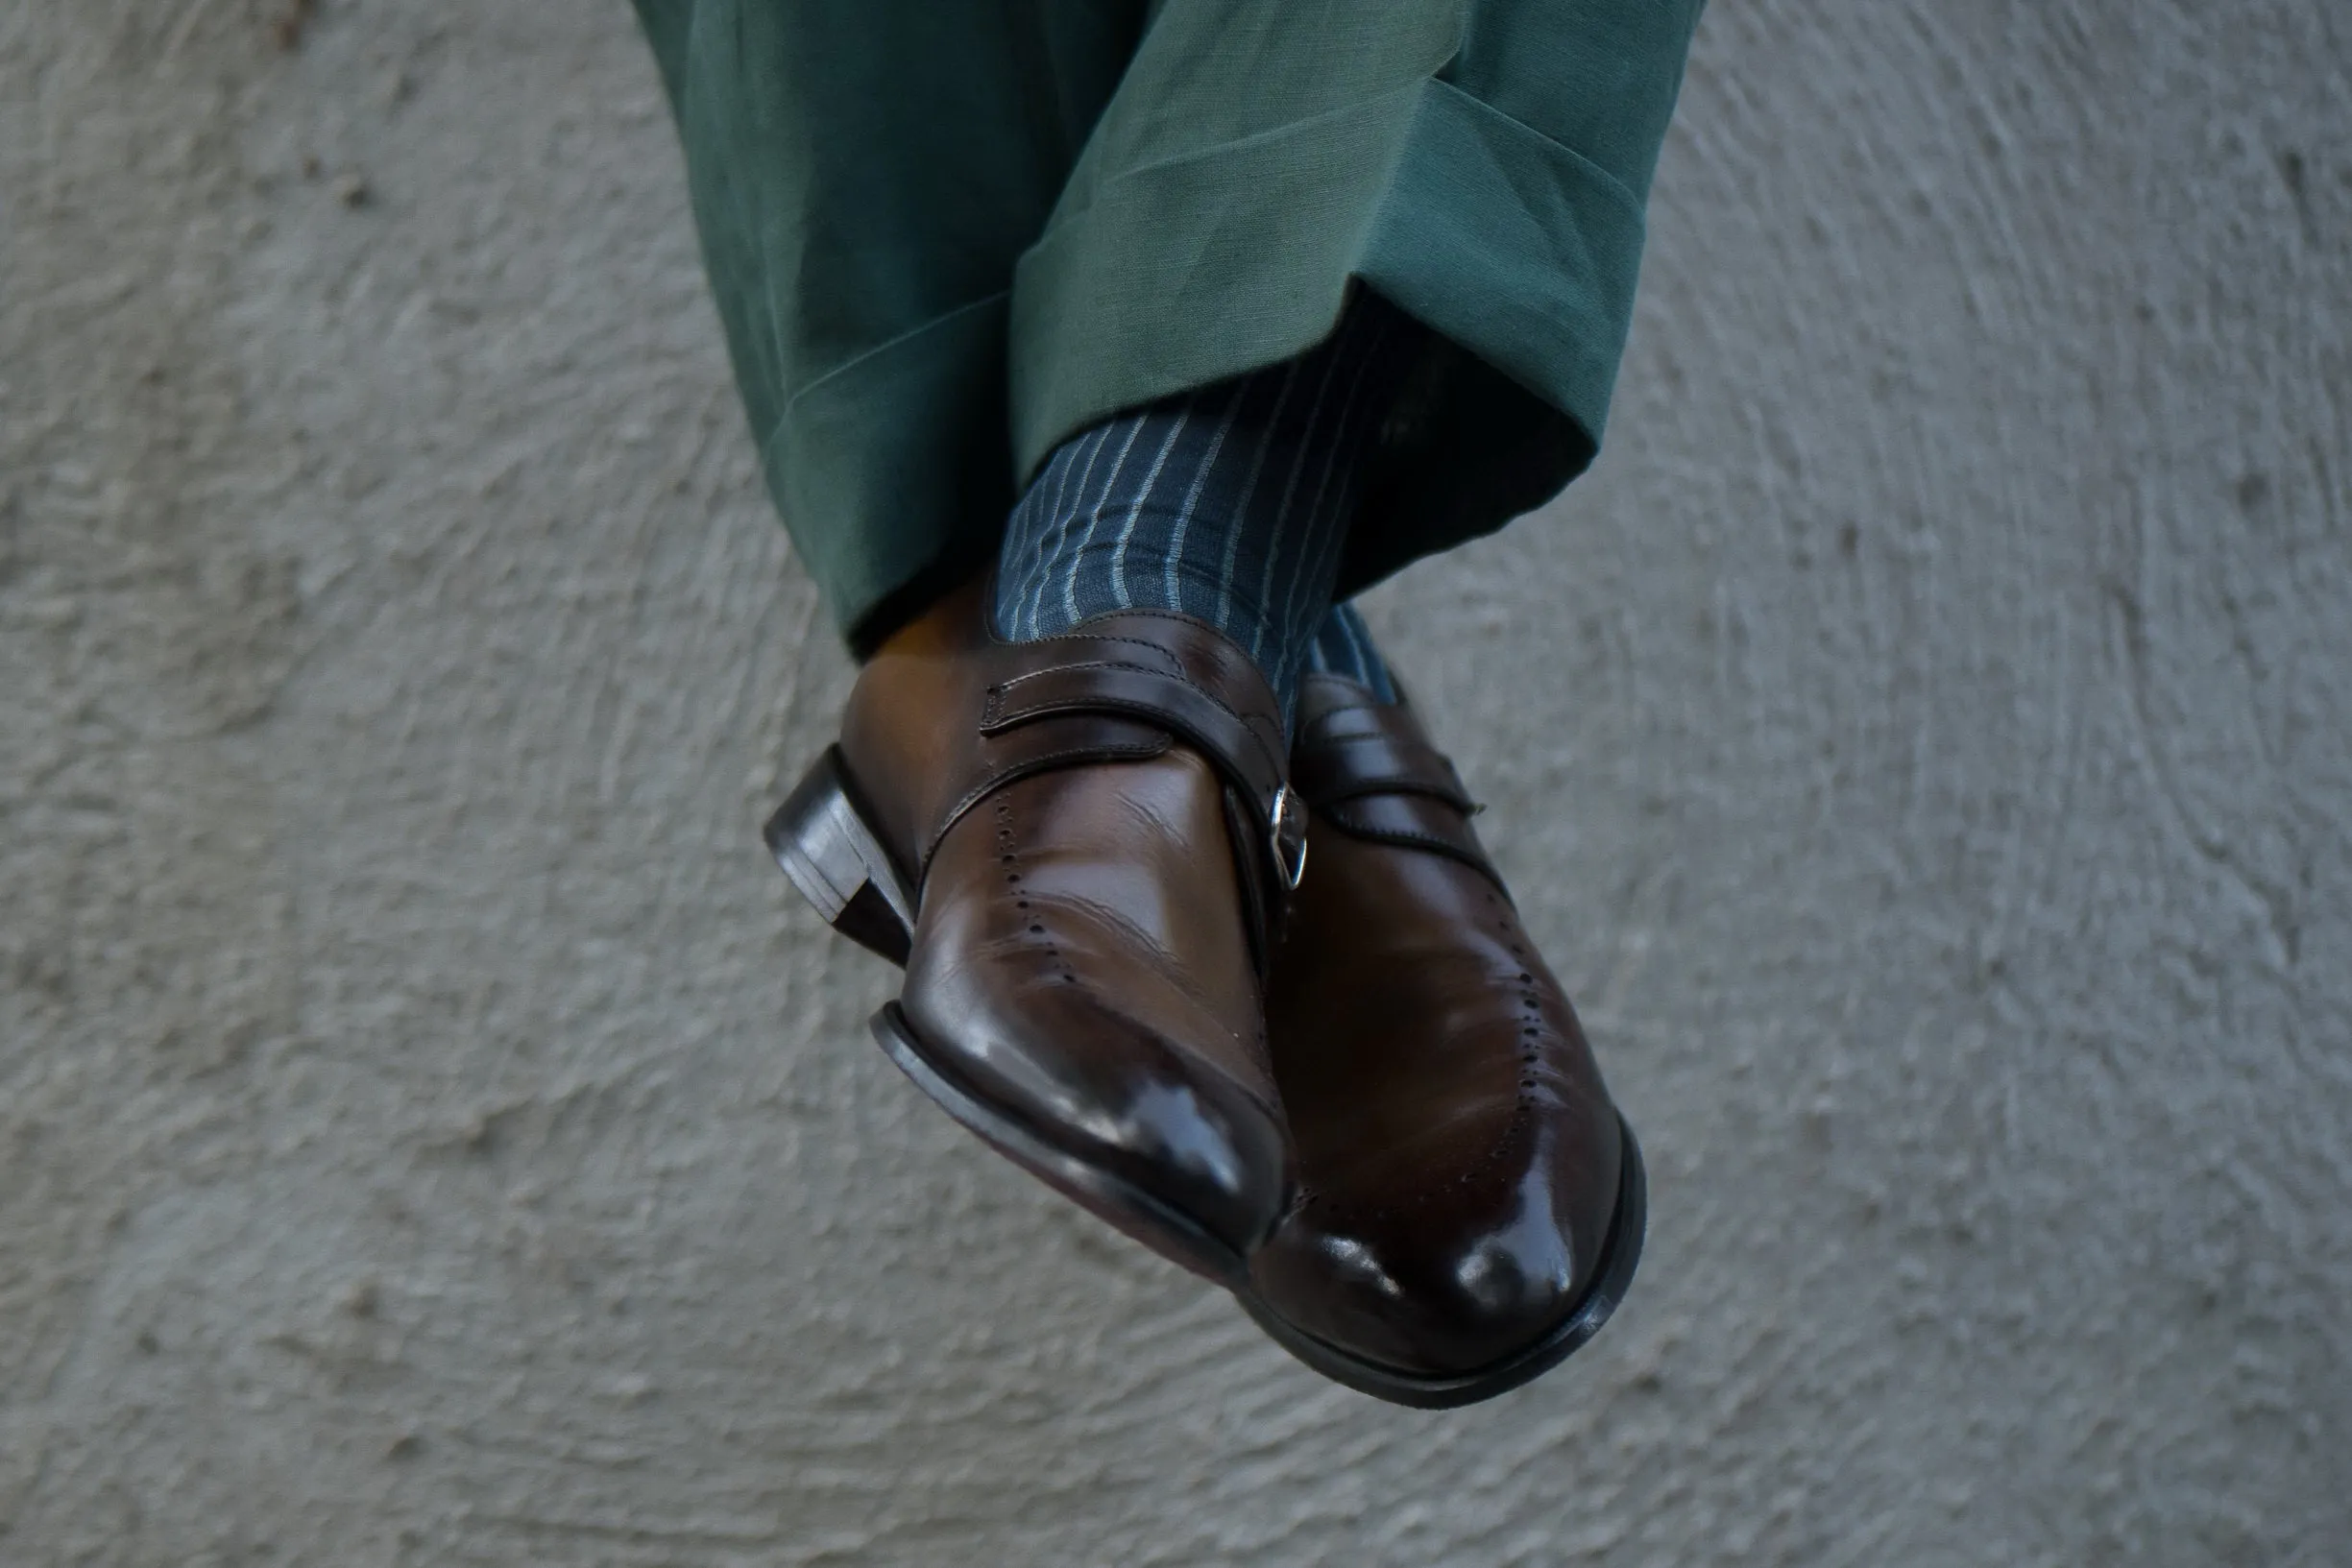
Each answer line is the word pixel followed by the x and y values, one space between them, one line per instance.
pixel 429 1133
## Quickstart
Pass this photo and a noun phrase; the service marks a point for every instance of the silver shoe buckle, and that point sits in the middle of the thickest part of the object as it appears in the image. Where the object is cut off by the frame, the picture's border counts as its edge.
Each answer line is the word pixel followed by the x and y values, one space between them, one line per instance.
pixel 1287 836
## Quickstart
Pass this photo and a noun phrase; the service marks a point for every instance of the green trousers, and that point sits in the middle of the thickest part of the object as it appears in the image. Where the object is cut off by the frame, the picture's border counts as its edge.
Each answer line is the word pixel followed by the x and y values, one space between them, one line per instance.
pixel 945 235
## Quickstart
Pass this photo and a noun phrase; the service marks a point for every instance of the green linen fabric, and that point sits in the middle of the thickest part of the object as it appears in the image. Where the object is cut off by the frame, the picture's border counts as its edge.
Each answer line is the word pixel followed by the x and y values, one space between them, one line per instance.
pixel 946 235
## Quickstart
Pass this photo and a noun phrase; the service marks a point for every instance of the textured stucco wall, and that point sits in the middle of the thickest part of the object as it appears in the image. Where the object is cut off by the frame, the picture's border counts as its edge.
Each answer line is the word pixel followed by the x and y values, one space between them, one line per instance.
pixel 430 1133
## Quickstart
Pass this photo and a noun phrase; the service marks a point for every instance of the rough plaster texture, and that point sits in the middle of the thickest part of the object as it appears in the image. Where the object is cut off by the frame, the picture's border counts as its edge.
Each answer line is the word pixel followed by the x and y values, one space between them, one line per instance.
pixel 429 1133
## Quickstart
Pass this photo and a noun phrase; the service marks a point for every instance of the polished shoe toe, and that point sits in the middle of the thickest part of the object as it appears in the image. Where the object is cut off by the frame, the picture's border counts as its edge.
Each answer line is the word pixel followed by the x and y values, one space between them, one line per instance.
pixel 1447 1269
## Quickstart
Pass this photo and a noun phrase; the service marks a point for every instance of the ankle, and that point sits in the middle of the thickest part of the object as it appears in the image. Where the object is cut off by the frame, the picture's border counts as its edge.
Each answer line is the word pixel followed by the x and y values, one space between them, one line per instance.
pixel 1230 505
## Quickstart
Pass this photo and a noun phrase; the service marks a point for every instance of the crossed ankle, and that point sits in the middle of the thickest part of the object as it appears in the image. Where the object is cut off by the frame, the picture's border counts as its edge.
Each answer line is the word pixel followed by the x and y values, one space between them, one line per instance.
pixel 1229 503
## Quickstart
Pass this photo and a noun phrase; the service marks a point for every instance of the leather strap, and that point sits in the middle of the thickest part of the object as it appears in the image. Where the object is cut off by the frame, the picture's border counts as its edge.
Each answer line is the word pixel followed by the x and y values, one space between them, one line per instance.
pixel 1367 769
pixel 1127 688
pixel 1159 697
pixel 1347 767
pixel 1040 749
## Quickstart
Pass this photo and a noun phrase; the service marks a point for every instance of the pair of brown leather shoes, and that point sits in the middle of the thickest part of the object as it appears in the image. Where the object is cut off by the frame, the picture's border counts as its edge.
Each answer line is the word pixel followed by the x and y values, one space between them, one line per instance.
pixel 1356 1098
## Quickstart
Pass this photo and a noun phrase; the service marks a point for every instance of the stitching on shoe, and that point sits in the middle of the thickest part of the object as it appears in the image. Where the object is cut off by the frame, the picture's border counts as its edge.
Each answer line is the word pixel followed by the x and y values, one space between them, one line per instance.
pixel 1031 926
pixel 1537 1034
pixel 1032 920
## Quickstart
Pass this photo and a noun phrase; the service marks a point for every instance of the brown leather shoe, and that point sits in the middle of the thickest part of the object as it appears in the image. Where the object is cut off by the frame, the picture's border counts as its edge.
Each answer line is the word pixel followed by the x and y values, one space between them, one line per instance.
pixel 1471 1204
pixel 1078 847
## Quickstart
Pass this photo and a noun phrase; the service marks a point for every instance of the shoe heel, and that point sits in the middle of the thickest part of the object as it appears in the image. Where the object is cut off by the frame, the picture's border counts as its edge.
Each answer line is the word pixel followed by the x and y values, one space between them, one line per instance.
pixel 837 860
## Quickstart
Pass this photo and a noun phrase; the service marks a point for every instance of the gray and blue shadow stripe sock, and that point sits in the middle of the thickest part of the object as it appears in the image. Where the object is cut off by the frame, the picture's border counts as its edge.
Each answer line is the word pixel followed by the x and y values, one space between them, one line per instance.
pixel 1229 503
pixel 1342 645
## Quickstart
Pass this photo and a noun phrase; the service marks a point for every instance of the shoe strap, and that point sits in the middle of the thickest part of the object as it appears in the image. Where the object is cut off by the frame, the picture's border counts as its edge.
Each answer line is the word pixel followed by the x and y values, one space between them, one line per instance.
pixel 1129 687
pixel 1368 769
pixel 1337 768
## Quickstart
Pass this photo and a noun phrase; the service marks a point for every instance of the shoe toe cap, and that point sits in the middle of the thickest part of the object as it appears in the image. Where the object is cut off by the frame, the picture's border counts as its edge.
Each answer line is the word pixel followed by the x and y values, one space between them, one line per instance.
pixel 1451 1278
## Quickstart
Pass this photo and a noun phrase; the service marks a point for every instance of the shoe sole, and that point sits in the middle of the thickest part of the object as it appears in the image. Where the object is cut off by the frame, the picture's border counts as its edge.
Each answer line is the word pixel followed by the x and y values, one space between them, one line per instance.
pixel 1620 1256
pixel 823 838
pixel 822 835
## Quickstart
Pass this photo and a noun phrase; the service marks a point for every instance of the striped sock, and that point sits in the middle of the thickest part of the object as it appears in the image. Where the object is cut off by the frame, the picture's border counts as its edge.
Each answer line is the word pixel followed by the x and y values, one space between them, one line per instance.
pixel 1229 503
pixel 1344 646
